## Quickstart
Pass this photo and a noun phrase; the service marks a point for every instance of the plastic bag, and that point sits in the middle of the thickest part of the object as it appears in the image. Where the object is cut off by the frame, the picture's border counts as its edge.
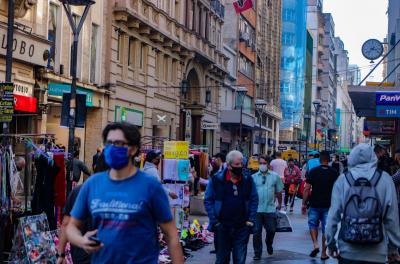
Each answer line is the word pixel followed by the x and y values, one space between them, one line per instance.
pixel 283 222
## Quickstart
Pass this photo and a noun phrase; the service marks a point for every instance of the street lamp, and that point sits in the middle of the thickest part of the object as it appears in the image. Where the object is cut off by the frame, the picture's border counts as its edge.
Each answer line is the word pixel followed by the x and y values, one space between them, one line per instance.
pixel 260 107
pixel 241 92
pixel 307 118
pixel 76 28
pixel 317 105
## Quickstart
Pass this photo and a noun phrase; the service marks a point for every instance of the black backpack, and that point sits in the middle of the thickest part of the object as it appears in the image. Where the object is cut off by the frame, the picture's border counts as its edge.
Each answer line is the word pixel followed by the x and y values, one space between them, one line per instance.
pixel 362 221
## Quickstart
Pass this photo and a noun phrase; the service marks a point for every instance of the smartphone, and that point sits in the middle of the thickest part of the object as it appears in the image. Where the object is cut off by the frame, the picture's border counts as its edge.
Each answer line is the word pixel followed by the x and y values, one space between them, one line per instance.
pixel 95 239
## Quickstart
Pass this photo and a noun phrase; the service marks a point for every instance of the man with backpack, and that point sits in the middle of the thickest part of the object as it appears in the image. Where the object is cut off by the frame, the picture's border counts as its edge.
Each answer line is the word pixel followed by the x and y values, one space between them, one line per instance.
pixel 321 180
pixel 364 201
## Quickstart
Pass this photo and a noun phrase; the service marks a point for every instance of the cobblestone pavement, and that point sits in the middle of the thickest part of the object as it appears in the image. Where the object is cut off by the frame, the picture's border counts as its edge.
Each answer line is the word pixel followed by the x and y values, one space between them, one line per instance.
pixel 289 248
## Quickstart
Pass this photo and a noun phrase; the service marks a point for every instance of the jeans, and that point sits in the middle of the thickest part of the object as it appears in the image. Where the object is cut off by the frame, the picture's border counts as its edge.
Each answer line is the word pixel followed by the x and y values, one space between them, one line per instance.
pixel 347 261
pixel 268 221
pixel 316 215
pixel 231 240
pixel 287 196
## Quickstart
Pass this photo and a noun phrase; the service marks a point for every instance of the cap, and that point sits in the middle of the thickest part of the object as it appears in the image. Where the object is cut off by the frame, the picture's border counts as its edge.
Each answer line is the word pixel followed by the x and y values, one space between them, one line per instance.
pixel 152 155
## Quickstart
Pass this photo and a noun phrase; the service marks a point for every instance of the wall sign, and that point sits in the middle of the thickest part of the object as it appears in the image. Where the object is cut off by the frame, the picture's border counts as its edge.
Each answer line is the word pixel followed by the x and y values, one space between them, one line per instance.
pixel 161 119
pixel 26 47
pixel 388 111
pixel 25 103
pixel 6 102
pixel 135 117
pixel 58 89
pixel 388 98
pixel 23 89
pixel 209 126
pixel 188 125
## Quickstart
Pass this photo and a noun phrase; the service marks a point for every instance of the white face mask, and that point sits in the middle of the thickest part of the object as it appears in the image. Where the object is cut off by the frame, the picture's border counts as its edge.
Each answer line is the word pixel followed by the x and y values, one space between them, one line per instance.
pixel 263 168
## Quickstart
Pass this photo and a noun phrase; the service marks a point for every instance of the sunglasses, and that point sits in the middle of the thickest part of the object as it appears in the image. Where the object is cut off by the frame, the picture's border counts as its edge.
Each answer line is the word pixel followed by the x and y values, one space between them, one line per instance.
pixel 264 180
pixel 235 190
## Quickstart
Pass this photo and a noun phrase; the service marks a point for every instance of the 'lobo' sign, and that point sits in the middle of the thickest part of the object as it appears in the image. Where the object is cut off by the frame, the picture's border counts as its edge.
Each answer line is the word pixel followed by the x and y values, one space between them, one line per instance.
pixel 387 98
pixel 28 48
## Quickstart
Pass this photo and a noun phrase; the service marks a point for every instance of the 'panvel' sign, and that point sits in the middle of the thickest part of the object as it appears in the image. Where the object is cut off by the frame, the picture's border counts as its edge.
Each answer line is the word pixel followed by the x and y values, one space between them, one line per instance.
pixel 387 98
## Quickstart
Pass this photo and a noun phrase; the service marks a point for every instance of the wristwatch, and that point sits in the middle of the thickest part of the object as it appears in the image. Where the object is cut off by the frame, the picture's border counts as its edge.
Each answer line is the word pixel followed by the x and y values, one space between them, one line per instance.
pixel 62 255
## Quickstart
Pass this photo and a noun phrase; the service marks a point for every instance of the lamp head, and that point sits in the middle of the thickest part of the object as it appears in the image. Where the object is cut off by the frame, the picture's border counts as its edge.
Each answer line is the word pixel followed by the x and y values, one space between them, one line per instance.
pixel 78 2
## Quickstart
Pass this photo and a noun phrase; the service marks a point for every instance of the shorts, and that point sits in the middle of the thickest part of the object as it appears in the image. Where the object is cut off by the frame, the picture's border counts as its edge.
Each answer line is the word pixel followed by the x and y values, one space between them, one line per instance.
pixel 317 215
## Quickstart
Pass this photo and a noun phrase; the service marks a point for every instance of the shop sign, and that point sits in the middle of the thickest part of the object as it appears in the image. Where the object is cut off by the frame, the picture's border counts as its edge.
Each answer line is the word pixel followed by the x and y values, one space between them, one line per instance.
pixel 388 98
pixel 27 48
pixel 6 102
pixel 160 119
pixel 23 89
pixel 188 126
pixel 132 116
pixel 380 127
pixel 58 89
pixel 282 148
pixel 388 111
pixel 176 149
pixel 25 103
pixel 209 126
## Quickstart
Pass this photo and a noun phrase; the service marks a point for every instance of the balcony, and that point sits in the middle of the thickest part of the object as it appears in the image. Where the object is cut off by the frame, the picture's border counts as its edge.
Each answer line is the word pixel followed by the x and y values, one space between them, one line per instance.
pixel 218 8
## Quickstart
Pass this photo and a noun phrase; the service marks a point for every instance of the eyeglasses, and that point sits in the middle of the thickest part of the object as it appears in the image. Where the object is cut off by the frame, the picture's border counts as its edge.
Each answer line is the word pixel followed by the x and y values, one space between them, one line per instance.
pixel 117 143
pixel 235 190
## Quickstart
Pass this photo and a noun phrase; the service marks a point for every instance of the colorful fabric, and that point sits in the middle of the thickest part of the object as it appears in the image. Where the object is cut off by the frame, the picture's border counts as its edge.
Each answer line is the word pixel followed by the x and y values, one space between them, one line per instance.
pixel 183 170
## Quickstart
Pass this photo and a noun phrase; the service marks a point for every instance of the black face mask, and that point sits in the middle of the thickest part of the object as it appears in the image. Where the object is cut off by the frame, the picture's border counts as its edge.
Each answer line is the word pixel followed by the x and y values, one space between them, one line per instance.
pixel 19 169
pixel 237 171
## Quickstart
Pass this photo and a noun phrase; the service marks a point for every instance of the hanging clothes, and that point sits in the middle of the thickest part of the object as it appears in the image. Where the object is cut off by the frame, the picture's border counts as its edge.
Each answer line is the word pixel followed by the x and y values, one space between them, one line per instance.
pixel 60 184
pixel 43 199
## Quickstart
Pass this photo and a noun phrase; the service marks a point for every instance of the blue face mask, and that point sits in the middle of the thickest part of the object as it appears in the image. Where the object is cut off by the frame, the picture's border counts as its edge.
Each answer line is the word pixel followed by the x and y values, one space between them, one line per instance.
pixel 116 157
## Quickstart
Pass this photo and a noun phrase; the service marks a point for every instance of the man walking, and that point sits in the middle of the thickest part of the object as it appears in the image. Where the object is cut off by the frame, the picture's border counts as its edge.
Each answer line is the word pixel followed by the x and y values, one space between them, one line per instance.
pixel 292 180
pixel 231 202
pixel 126 206
pixel 278 165
pixel 269 185
pixel 321 180
pixel 371 244
pixel 96 158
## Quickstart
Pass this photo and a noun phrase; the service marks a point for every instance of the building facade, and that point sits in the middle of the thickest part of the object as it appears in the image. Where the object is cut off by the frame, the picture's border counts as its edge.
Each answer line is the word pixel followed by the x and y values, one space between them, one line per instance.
pixel 293 63
pixel 167 60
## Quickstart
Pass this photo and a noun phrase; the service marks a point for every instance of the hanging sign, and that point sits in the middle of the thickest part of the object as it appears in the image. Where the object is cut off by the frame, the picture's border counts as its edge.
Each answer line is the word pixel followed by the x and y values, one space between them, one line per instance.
pixel 176 149
pixel 388 98
pixel 188 125
pixel 6 102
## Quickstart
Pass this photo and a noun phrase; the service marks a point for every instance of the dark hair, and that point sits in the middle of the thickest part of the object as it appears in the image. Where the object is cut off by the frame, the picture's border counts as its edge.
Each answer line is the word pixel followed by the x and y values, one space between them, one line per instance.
pixel 316 155
pixel 378 148
pixel 266 158
pixel 278 154
pixel 291 160
pixel 131 132
pixel 220 155
pixel 324 156
pixel 101 164
pixel 76 153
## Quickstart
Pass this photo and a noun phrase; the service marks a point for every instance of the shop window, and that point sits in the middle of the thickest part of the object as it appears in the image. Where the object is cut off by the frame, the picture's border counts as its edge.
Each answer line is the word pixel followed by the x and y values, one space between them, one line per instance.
pixel 94 53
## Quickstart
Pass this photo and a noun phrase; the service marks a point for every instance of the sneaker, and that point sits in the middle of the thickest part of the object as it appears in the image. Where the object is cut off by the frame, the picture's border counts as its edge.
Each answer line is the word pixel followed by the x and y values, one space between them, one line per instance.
pixel 270 250
pixel 256 258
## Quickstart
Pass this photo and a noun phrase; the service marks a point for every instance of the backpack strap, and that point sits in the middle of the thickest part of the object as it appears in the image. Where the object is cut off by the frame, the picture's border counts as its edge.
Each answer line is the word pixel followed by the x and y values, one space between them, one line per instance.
pixel 349 178
pixel 375 179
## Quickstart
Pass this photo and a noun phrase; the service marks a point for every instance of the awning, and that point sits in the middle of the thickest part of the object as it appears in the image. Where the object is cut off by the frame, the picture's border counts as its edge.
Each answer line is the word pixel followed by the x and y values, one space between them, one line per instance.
pixel 364 98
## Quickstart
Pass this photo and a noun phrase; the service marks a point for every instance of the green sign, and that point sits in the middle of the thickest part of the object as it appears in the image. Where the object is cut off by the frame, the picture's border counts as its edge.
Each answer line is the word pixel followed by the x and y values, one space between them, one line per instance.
pixel 58 89
pixel 6 102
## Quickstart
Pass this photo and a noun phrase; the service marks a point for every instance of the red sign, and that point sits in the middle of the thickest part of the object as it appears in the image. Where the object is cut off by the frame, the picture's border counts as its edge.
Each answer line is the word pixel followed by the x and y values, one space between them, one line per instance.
pixel 242 5
pixel 25 103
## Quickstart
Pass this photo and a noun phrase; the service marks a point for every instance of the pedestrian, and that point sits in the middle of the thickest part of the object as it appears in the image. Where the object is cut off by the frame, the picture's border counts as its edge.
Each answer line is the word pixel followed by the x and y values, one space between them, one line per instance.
pixel 101 164
pixel 321 180
pixel 384 161
pixel 220 160
pixel 269 185
pixel 96 158
pixel 337 164
pixel 79 167
pixel 126 206
pixel 292 180
pixel 278 165
pixel 78 255
pixel 231 202
pixel 313 162
pixel 368 244
pixel 153 159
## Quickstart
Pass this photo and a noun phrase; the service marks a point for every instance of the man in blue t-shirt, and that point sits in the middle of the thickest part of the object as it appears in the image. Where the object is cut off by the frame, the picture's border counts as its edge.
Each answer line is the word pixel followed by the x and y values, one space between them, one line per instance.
pixel 126 206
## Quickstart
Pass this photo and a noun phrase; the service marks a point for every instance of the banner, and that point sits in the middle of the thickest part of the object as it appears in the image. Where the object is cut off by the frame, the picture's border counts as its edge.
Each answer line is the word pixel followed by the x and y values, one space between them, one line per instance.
pixel 176 149
pixel 6 102
pixel 242 5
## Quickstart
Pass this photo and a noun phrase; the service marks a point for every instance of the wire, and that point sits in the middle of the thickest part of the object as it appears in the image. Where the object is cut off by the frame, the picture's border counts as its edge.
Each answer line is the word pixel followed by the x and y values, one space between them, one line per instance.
pixel 253 84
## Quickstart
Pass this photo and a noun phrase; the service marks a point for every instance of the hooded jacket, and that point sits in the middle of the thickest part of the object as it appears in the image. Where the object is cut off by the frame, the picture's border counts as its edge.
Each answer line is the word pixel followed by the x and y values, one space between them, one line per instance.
pixel 362 163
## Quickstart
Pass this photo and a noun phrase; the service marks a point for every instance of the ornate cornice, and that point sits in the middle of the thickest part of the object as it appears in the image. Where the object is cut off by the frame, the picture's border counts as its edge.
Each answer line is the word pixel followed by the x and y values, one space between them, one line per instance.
pixel 20 9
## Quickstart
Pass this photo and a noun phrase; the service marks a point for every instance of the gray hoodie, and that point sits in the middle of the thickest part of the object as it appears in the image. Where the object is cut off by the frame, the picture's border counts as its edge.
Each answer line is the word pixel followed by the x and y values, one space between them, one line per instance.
pixel 362 163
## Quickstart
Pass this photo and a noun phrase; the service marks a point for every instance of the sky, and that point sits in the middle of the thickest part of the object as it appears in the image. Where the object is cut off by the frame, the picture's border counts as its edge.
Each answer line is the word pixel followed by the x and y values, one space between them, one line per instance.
pixel 355 22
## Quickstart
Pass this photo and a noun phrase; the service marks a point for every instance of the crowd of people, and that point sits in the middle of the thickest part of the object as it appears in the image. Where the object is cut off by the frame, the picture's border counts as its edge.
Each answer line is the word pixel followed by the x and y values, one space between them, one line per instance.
pixel 122 205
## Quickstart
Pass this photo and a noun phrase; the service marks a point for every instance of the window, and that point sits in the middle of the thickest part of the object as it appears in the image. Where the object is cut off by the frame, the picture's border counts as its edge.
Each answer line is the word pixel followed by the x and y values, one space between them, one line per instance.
pixel 158 64
pixel 142 55
pixel 288 15
pixel 93 53
pixel 166 68
pixel 52 35
pixel 287 38
pixel 246 66
pixel 131 52
pixel 119 46
pixel 247 32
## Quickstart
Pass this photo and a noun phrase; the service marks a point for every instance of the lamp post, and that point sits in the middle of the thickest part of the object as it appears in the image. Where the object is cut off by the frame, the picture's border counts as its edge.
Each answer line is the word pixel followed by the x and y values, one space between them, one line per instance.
pixel 241 92
pixel 76 28
pixel 317 105
pixel 260 107
pixel 307 118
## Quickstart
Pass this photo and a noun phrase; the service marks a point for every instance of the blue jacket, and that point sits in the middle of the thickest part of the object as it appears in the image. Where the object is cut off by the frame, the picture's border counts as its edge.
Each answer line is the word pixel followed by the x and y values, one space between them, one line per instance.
pixel 214 206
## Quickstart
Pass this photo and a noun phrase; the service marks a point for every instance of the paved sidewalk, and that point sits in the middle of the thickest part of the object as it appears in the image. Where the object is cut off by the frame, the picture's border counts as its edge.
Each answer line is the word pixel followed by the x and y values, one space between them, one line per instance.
pixel 289 248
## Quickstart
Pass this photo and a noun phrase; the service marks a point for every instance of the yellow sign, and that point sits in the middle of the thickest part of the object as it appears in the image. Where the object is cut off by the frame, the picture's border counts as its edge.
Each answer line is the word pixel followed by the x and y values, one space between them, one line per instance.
pixel 290 154
pixel 386 84
pixel 176 149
